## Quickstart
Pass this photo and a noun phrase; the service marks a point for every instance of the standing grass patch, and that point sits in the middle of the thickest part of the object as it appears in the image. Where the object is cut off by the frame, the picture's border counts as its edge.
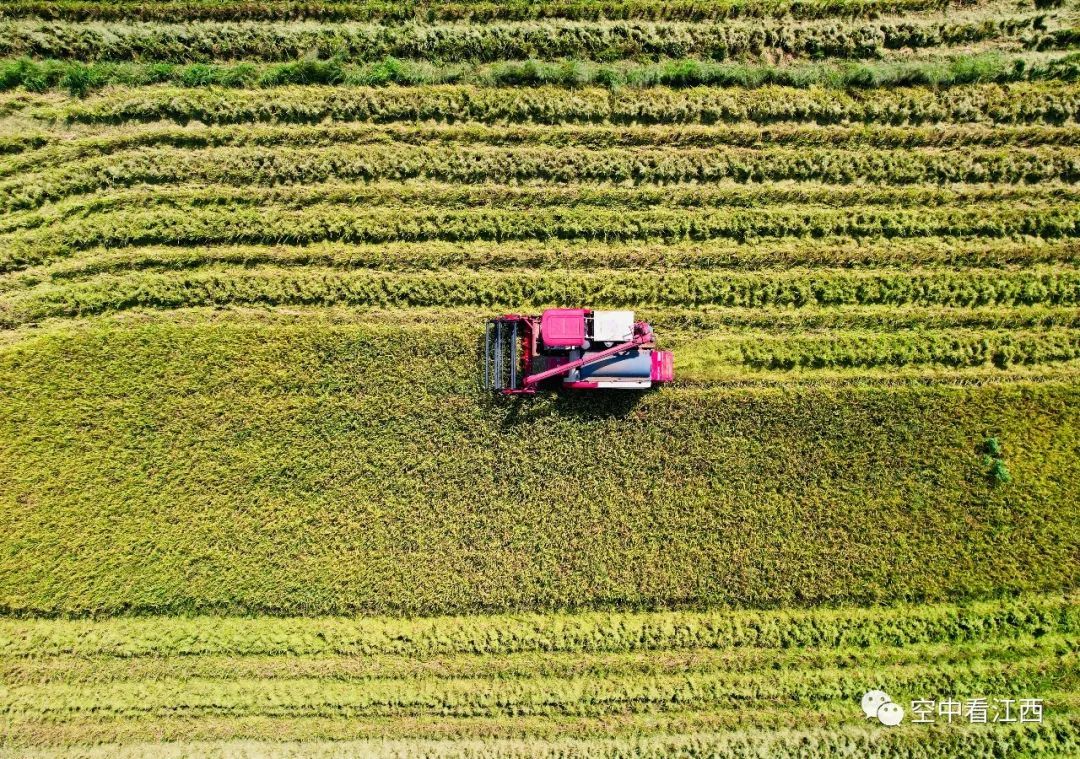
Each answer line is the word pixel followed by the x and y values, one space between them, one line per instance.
pixel 993 458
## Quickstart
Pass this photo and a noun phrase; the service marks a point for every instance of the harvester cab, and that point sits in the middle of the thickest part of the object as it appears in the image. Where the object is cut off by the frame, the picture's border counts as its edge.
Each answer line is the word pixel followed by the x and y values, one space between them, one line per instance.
pixel 575 348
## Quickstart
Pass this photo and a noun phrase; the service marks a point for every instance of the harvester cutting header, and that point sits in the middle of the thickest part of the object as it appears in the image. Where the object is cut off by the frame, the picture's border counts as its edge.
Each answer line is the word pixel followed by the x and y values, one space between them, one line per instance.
pixel 574 348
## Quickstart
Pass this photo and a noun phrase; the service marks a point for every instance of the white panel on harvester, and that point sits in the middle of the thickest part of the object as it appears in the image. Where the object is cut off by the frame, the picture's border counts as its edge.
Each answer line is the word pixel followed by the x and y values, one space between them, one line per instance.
pixel 613 326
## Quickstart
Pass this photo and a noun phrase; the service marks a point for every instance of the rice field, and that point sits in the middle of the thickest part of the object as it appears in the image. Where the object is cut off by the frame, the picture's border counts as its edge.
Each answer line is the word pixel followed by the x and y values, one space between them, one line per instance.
pixel 253 501
pixel 587 684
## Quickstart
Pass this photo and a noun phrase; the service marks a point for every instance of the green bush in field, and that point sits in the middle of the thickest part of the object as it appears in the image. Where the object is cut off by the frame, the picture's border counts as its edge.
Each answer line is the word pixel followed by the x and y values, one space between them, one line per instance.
pixel 999 473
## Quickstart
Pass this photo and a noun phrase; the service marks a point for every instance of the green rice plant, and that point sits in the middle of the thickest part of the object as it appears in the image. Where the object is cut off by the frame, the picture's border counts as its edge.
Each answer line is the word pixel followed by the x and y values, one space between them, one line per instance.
pixel 306 71
pixel 79 78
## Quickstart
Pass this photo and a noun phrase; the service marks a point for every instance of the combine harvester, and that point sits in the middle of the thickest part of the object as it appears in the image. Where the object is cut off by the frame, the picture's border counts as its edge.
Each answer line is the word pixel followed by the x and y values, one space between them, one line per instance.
pixel 585 349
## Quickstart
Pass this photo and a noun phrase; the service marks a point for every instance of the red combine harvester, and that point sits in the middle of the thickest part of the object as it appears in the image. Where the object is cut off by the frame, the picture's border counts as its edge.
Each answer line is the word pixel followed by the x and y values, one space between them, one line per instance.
pixel 572 347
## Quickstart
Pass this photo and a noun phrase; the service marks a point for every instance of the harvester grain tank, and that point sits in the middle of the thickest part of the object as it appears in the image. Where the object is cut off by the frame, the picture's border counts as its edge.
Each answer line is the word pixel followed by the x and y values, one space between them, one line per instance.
pixel 573 348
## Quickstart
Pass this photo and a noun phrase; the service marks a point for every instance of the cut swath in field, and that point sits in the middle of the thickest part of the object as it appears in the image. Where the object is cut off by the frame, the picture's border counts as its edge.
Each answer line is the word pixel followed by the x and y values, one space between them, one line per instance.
pixel 470 10
pixel 546 40
pixel 57 145
pixel 324 222
pixel 266 285
pixel 592 675
pixel 556 255
pixel 476 165
pixel 1052 103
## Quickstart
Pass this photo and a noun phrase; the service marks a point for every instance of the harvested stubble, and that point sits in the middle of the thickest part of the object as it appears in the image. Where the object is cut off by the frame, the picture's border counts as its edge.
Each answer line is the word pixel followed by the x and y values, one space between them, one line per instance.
pixel 690 736
pixel 423 193
pixel 576 682
pixel 591 676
